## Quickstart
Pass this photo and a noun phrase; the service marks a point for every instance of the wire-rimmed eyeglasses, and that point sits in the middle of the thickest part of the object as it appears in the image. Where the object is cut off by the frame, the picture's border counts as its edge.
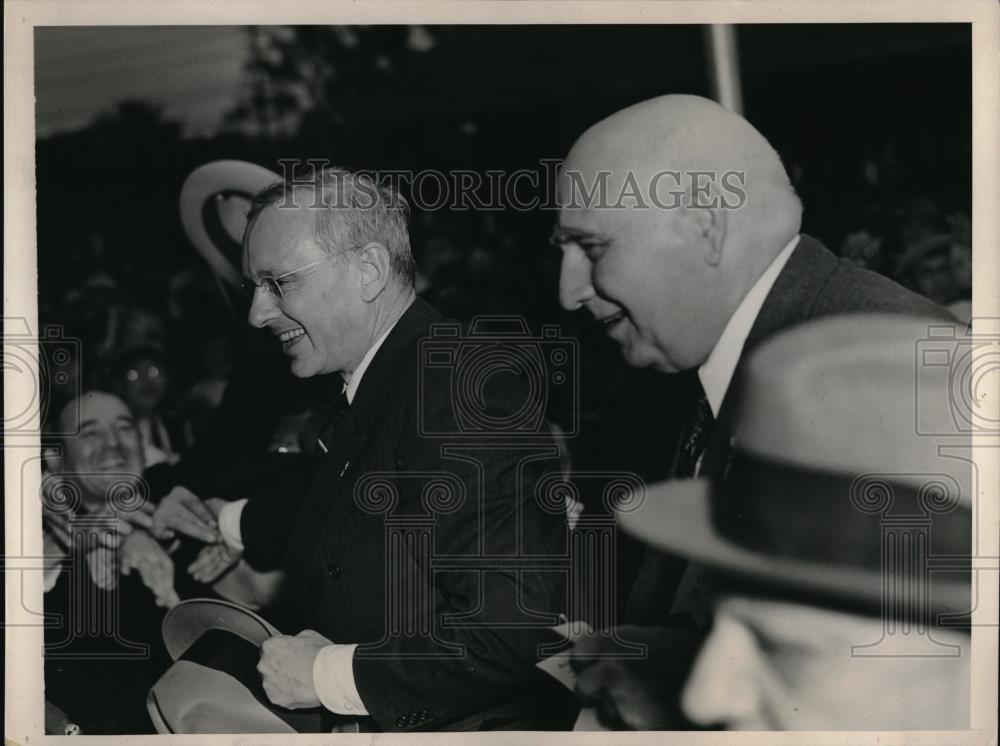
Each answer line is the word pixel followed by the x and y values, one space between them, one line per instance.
pixel 272 286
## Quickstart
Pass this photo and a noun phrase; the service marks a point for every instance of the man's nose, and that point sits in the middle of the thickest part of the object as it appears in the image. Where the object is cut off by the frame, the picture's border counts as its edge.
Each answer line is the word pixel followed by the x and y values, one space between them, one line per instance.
pixel 720 690
pixel 262 308
pixel 111 440
pixel 575 287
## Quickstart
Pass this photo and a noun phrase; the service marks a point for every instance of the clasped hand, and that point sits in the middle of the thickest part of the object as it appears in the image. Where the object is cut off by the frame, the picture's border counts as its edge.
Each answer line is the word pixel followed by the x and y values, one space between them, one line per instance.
pixel 638 693
pixel 182 511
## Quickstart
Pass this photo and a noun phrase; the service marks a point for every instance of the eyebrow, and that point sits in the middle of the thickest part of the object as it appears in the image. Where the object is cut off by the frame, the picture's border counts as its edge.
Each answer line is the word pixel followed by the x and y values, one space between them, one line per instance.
pixel 120 418
pixel 561 235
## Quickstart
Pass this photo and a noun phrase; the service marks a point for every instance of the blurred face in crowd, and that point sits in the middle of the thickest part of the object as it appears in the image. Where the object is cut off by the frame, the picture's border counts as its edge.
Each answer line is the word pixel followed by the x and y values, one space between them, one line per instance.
pixel 105 452
pixel 934 278
pixel 961 264
pixel 960 251
pixel 639 272
pixel 143 384
pixel 770 665
pixel 320 317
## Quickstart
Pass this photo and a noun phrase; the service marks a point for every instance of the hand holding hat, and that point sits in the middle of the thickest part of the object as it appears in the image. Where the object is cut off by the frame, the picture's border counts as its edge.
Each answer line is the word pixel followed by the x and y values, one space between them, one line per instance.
pixel 286 668
pixel 214 685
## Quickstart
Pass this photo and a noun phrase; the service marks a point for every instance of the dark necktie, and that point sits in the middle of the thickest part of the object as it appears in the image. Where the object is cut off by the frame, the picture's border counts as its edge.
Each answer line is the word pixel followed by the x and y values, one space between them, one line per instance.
pixel 337 415
pixel 659 574
pixel 694 439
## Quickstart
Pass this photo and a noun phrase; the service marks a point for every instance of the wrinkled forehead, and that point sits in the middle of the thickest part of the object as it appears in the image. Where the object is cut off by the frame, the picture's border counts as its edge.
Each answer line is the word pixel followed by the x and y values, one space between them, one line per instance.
pixel 96 406
pixel 609 188
pixel 281 234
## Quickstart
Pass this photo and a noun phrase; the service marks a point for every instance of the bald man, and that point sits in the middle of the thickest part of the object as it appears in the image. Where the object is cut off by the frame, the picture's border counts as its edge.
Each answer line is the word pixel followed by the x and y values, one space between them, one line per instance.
pixel 679 230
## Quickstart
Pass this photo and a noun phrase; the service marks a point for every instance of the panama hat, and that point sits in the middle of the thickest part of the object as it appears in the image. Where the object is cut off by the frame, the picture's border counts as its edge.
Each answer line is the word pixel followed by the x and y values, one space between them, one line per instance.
pixel 214 202
pixel 213 685
pixel 834 492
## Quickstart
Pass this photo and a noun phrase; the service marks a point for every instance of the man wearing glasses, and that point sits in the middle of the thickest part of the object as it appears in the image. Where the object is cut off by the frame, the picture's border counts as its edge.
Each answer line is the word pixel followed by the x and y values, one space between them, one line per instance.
pixel 332 277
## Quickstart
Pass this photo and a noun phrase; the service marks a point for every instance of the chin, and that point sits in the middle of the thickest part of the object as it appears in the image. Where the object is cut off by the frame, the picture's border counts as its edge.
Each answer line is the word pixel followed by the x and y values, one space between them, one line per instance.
pixel 645 356
pixel 301 370
pixel 304 366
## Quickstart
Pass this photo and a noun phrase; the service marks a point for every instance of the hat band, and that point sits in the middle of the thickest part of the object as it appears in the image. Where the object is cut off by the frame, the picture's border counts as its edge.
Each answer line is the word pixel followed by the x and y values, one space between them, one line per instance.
pixel 834 519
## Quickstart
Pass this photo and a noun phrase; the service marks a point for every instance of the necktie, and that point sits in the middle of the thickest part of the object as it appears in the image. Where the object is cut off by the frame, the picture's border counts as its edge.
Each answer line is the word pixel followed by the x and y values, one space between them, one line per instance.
pixel 660 574
pixel 694 439
pixel 337 415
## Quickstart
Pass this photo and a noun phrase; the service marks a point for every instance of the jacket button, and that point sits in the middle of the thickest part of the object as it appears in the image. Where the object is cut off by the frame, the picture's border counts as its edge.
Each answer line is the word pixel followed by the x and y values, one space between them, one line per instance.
pixel 423 716
pixel 333 571
pixel 400 722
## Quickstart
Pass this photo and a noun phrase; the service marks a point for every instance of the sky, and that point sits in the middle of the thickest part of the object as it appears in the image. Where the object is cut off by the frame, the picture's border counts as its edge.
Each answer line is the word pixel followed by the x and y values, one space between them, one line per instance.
pixel 193 72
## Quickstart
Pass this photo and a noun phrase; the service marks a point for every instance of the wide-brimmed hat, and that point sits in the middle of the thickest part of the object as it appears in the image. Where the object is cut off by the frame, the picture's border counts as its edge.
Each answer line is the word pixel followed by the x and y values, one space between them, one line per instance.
pixel 213 685
pixel 214 202
pixel 836 490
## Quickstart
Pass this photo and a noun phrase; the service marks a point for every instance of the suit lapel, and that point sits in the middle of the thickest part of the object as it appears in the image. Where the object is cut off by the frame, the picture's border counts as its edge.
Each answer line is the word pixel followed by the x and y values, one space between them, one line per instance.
pixel 800 281
pixel 798 284
pixel 379 378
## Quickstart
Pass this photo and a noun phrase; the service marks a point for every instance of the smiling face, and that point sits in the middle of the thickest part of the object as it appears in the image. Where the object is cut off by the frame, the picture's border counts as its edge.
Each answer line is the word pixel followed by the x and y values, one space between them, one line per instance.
pixel 641 273
pixel 143 384
pixel 770 665
pixel 321 318
pixel 106 448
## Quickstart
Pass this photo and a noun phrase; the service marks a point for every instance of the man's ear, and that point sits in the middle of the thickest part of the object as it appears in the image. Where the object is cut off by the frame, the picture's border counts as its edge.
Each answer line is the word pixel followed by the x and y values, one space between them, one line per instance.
pixel 374 263
pixel 710 225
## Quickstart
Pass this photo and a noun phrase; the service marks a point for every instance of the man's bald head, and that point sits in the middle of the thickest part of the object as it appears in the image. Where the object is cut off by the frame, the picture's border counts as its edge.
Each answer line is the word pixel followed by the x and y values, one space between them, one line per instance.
pixel 689 134
pixel 695 206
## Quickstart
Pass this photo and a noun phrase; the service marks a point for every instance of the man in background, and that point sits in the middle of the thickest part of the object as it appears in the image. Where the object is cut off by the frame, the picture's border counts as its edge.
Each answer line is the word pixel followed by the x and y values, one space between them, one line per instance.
pixel 829 610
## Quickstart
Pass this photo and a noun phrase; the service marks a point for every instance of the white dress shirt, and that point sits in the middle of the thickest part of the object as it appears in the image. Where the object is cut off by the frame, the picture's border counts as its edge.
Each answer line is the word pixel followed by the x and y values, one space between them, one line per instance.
pixel 333 668
pixel 715 375
pixel 717 371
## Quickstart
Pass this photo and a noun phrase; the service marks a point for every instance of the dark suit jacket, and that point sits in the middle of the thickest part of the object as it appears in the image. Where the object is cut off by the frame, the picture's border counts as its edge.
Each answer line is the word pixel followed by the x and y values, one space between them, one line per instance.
pixel 813 283
pixel 419 665
pixel 103 651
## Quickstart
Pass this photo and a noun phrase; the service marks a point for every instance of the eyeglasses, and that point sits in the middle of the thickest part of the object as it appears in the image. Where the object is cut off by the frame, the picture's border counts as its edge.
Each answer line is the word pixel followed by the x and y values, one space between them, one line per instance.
pixel 272 285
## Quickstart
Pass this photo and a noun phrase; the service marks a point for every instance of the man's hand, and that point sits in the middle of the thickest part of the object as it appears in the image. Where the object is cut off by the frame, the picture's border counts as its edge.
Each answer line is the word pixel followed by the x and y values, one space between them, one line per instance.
pixel 286 668
pixel 213 561
pixel 635 693
pixel 183 511
pixel 103 568
pixel 60 523
pixel 142 552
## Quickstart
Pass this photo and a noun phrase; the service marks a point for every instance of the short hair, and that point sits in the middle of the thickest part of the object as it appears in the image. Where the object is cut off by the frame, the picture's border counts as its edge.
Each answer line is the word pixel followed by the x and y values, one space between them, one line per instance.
pixel 57 406
pixel 356 210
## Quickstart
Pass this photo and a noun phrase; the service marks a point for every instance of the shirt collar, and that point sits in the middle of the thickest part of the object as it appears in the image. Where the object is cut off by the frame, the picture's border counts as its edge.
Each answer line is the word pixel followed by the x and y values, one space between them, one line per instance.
pixel 351 388
pixel 717 371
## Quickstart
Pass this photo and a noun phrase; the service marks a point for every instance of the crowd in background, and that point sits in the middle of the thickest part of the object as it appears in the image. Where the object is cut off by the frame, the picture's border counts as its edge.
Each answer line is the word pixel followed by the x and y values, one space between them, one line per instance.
pixel 169 343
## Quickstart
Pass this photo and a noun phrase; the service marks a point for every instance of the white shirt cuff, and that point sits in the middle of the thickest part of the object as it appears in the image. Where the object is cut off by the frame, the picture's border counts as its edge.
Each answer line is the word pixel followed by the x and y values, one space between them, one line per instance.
pixel 229 524
pixel 333 679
